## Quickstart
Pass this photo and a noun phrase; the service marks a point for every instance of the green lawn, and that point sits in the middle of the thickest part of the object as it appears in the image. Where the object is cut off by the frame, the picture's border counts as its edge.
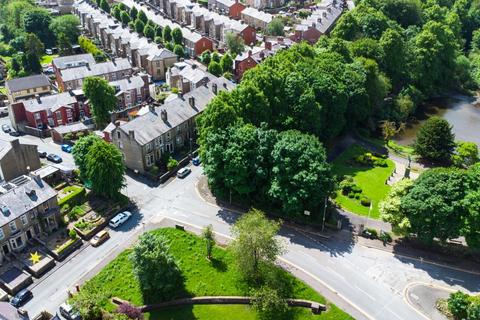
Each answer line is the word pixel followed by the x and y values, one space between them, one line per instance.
pixel 201 278
pixel 370 179
pixel 47 59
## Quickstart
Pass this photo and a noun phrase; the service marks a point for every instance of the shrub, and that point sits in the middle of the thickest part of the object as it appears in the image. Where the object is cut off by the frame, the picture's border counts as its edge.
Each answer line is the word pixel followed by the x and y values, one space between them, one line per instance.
pixel 357 196
pixel 385 237
pixel 74 198
pixel 458 303
pixel 473 311
pixel 380 163
pixel 365 201
pixel 68 136
pixel 72 234
pixel 370 233
pixel 64 209
pixel 346 186
pixel 356 189
pixel 269 304
pixel 351 195
pixel 130 311
pixel 172 163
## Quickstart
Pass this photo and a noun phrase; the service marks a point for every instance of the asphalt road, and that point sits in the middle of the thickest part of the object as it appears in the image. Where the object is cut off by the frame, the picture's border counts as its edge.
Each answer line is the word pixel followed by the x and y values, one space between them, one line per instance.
pixel 370 282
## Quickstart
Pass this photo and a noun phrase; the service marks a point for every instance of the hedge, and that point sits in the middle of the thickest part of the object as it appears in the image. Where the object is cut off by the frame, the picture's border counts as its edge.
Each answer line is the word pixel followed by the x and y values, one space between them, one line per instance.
pixel 77 197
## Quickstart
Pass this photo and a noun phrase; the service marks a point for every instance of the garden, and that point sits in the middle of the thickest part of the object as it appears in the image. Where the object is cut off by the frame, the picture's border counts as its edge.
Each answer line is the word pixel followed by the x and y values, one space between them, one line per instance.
pixel 198 276
pixel 362 180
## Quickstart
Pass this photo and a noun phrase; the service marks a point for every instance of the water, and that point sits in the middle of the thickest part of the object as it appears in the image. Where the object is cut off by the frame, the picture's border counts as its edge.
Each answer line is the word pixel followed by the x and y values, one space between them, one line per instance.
pixel 462 112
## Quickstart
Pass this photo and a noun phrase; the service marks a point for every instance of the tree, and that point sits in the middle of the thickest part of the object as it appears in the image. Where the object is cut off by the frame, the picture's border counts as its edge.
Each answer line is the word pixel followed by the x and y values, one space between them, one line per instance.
pixel 275 27
pixel 466 154
pixel 31 63
pixel 37 21
pixel 177 36
pixel 105 169
pixel 133 13
pixel 167 34
pixel 215 56
pixel 149 32
pixel 254 243
pixel 142 16
pixel 18 43
pixel 390 129
pixel 178 50
pixel 80 151
pixel 139 26
pixel 89 303
pixel 391 210
pixel 66 25
pixel 301 176
pixel 234 43
pixel 435 140
pixel 64 44
pixel 154 267
pixel 458 303
pixel 215 68
pixel 405 12
pixel 33 45
pixel 206 57
pixel 209 238
pixel 269 304
pixel 124 17
pixel 117 12
pixel 226 63
pixel 102 99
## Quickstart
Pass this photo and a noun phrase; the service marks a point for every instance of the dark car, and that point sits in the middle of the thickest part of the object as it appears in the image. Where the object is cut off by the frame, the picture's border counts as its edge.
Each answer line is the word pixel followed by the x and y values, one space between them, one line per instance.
pixel 21 297
pixel 14 133
pixel 54 158
pixel 196 161
pixel 6 128
pixel 42 154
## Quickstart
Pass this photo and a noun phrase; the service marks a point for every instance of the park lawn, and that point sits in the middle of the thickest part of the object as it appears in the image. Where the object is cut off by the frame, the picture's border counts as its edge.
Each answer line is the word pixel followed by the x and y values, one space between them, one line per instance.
pixel 47 59
pixel 370 179
pixel 201 278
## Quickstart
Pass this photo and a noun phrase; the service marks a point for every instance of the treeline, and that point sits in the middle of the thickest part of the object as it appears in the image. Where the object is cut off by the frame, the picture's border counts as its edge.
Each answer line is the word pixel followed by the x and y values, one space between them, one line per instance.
pixel 26 30
pixel 382 60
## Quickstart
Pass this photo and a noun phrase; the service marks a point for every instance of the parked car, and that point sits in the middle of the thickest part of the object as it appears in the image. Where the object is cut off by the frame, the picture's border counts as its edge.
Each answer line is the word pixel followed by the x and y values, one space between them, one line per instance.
pixel 119 219
pixel 21 297
pixel 54 158
pixel 42 154
pixel 66 148
pixel 68 312
pixel 196 161
pixel 6 128
pixel 183 172
pixel 100 238
pixel 3 111
pixel 14 133
pixel 49 51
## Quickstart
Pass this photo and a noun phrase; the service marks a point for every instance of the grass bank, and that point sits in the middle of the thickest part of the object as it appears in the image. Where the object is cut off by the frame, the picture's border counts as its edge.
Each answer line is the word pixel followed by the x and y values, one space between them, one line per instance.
pixel 201 278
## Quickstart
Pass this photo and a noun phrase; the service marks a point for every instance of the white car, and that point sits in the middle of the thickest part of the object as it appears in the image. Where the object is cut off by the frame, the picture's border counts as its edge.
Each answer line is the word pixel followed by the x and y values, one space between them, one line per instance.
pixel 119 219
pixel 182 173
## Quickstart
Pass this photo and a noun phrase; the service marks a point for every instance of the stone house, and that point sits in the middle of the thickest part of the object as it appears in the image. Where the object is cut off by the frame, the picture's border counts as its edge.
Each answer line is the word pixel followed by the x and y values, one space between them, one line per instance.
pixel 27 87
pixel 187 76
pixel 230 8
pixel 256 18
pixel 17 159
pixel 132 91
pixel 263 4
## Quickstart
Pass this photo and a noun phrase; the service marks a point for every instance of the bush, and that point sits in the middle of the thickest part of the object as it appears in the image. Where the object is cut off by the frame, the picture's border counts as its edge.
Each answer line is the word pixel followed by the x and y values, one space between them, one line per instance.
pixel 351 195
pixel 130 311
pixel 356 189
pixel 172 163
pixel 370 233
pixel 269 304
pixel 473 311
pixel 346 186
pixel 64 209
pixel 385 237
pixel 76 212
pixel 357 196
pixel 74 198
pixel 380 163
pixel 365 201
pixel 458 303
pixel 72 234
pixel 68 137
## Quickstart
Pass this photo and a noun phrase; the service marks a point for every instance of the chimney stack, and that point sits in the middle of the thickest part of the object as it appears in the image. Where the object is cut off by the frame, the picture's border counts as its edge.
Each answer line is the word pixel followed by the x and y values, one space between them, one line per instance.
pixel 191 101
pixel 268 45
pixel 164 115
pixel 131 134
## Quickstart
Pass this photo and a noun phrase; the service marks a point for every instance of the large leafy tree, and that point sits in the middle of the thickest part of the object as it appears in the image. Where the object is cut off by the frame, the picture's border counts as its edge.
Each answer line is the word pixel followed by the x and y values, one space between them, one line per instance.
pixel 67 25
pixel 234 43
pixel 255 243
pixel 435 140
pixel 37 21
pixel 89 303
pixel 301 176
pixel 177 36
pixel 105 169
pixel 275 27
pixel 391 207
pixel 167 34
pixel 80 152
pixel 102 99
pixel 155 268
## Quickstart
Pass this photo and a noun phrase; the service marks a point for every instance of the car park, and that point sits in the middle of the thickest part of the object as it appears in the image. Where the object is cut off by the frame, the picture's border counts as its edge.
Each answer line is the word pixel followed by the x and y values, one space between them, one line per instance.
pixel 6 128
pixel 42 154
pixel 183 172
pixel 100 238
pixel 119 219
pixel 68 312
pixel 21 297
pixel 54 158
pixel 196 161
pixel 66 148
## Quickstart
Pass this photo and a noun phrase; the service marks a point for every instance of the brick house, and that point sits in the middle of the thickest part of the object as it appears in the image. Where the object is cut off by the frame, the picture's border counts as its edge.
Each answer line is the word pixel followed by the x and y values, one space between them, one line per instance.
pixel 49 111
pixel 244 62
pixel 306 33
pixel 132 91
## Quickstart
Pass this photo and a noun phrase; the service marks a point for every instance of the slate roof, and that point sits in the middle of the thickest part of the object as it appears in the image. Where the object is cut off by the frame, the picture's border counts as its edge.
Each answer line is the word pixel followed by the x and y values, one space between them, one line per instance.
pixel 151 125
pixel 257 14
pixel 70 128
pixel 23 198
pixel 97 69
pixel 52 102
pixel 73 61
pixel 128 84
pixel 30 82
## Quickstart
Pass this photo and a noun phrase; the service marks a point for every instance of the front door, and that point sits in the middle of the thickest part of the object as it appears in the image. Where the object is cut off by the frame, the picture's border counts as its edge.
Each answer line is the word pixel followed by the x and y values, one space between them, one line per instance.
pixel 5 248
pixel 29 234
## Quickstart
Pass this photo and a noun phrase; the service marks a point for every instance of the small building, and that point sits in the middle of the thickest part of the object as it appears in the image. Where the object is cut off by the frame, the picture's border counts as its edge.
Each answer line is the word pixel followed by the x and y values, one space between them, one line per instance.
pixel 244 62
pixel 229 8
pixel 17 159
pixel 144 140
pixel 256 18
pixel 27 87
pixel 59 133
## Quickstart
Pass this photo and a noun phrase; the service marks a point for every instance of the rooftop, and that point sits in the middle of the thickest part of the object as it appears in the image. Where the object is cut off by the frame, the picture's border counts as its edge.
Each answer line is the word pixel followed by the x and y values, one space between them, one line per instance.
pixel 96 69
pixel 30 82
pixel 73 61
pixel 52 102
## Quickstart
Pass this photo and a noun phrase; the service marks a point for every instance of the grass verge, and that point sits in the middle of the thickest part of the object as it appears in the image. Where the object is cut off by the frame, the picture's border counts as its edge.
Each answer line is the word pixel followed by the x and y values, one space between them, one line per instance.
pixel 201 278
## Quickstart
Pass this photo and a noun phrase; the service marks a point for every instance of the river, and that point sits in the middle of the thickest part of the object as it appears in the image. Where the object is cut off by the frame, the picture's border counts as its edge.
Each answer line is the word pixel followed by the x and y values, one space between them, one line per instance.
pixel 462 112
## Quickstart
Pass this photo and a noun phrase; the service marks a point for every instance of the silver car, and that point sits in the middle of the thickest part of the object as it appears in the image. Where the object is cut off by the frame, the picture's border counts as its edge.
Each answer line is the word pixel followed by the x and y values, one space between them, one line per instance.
pixel 119 219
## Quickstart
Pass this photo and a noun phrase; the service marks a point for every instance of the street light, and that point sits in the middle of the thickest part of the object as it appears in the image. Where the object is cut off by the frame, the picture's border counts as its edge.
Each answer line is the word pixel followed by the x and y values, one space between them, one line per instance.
pixel 324 214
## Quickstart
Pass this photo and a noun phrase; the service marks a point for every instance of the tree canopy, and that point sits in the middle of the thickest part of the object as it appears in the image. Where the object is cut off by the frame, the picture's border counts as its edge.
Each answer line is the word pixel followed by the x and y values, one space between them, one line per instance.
pixel 435 140
pixel 102 99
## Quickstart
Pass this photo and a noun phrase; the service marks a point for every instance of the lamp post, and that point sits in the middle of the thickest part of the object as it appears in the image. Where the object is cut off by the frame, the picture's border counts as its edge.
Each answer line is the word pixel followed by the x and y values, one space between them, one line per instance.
pixel 324 214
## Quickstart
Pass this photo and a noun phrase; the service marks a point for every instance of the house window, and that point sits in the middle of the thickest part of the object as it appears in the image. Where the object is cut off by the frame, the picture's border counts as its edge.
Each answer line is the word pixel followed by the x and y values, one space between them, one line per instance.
pixel 17 242
pixel 149 159
pixel 37 116
pixel 13 226
pixel 2 235
pixel 69 113
pixel 149 147
pixel 82 114
pixel 168 136
pixel 118 134
pixel 70 120
pixel 24 219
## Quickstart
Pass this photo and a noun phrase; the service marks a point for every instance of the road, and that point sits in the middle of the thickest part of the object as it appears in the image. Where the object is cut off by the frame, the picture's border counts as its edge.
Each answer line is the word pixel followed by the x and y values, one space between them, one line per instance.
pixel 369 282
